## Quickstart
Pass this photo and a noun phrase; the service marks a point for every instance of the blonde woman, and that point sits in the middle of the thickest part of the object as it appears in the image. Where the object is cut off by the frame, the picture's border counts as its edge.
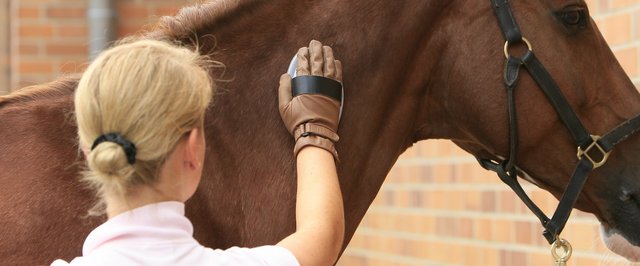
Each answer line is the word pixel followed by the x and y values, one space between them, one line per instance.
pixel 140 109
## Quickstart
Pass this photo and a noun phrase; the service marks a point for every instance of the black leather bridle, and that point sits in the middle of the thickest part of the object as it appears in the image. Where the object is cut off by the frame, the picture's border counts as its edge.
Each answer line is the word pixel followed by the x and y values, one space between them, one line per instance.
pixel 593 150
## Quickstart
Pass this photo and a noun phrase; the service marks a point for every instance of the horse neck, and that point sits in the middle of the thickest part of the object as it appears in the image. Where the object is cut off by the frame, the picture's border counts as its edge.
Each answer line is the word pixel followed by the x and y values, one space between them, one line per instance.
pixel 384 91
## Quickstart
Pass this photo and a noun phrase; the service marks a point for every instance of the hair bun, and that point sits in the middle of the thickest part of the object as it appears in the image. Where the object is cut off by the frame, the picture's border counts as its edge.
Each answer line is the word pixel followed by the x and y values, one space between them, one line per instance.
pixel 109 161
pixel 128 146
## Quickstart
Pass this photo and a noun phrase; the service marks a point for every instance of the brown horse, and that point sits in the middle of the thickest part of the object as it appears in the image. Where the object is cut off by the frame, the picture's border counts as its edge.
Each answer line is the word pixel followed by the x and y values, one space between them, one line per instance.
pixel 414 70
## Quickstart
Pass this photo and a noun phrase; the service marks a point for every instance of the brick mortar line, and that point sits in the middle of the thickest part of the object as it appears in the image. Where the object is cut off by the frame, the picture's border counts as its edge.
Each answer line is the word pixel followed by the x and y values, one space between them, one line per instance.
pixel 519 217
pixel 635 19
pixel 485 244
pixel 389 257
pixel 14 74
pixel 626 45
pixel 49 22
pixel 435 160
pixel 51 58
pixel 611 13
pixel 430 186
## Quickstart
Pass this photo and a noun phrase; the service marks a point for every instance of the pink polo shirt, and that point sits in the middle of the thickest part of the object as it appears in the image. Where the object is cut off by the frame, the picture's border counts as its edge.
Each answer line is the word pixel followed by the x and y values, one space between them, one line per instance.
pixel 160 234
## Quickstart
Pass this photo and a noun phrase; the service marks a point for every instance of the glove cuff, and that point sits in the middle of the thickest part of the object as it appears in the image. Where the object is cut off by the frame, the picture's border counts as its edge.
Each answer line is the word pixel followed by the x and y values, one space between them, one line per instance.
pixel 317 141
pixel 308 129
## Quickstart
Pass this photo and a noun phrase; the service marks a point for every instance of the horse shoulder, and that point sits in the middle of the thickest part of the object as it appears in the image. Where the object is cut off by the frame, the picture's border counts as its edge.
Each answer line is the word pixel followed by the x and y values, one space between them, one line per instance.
pixel 39 172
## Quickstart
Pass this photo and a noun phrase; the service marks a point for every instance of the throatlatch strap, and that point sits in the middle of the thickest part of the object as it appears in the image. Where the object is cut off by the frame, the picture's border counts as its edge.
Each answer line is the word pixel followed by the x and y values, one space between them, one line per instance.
pixel 553 226
pixel 511 180
pixel 316 85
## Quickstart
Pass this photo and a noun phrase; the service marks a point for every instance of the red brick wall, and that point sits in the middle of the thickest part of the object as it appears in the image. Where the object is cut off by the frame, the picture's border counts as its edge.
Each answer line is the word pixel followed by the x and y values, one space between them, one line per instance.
pixel 49 38
pixel 438 207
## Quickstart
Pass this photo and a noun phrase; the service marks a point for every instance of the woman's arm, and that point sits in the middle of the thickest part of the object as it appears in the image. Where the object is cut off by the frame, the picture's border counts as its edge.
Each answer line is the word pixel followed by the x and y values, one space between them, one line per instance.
pixel 319 211
pixel 313 121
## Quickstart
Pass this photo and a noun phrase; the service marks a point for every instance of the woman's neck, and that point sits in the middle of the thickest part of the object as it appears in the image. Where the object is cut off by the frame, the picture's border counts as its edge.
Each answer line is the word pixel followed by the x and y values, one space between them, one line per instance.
pixel 177 179
pixel 141 196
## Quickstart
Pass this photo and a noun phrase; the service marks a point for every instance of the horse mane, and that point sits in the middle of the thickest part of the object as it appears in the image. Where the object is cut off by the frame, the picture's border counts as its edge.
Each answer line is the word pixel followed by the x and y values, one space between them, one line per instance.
pixel 193 21
pixel 60 87
pixel 185 27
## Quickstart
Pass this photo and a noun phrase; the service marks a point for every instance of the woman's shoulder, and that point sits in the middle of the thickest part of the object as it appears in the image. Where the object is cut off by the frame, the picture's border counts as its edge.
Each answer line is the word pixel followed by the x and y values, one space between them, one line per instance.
pixel 59 262
pixel 77 261
pixel 263 255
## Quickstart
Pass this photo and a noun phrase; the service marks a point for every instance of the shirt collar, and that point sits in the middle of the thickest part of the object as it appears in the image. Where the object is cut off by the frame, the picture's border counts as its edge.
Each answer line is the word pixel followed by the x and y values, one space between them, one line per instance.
pixel 162 221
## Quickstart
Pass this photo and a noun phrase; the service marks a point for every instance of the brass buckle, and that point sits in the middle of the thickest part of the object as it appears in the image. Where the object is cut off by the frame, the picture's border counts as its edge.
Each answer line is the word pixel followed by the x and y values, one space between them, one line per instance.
pixel 585 152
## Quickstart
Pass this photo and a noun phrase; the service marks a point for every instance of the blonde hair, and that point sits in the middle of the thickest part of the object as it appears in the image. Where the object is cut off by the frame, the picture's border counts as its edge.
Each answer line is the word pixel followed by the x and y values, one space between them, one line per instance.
pixel 150 92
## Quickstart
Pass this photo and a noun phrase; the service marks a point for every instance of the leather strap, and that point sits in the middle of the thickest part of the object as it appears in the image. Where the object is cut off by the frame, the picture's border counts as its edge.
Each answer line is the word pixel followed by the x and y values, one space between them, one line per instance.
pixel 512 71
pixel 620 133
pixel 512 181
pixel 511 76
pixel 553 226
pixel 506 20
pixel 316 85
pixel 559 219
pixel 557 99
pixel 307 129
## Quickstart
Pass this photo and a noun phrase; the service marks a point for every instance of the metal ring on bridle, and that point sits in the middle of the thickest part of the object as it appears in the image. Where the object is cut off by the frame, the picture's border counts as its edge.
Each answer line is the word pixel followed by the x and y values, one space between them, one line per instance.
pixel 563 244
pixel 506 46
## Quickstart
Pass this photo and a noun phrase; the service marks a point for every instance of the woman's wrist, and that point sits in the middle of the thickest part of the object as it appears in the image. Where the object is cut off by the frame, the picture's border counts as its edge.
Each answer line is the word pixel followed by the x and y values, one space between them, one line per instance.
pixel 313 149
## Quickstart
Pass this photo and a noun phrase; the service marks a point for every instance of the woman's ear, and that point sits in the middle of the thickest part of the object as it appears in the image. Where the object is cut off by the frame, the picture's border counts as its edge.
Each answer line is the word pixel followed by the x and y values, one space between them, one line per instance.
pixel 191 148
pixel 85 152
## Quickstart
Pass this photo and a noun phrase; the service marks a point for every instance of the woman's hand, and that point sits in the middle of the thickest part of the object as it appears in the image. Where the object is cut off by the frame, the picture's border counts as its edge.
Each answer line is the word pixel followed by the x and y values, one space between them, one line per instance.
pixel 312 117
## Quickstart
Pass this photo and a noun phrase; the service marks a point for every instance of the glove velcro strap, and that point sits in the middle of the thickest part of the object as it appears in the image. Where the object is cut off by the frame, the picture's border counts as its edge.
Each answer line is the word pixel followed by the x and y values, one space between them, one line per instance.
pixel 316 141
pixel 307 129
pixel 316 85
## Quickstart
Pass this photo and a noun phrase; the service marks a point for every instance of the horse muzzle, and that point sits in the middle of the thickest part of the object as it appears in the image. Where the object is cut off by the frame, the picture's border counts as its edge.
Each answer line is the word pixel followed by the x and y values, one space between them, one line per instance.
pixel 619 244
pixel 620 231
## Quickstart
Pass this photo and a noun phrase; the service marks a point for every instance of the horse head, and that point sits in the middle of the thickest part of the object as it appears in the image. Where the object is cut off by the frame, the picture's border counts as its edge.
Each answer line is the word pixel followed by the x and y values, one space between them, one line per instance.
pixel 470 83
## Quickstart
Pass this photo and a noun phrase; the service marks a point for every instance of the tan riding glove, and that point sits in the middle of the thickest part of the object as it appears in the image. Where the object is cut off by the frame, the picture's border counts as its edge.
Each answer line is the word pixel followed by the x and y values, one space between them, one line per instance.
pixel 312 117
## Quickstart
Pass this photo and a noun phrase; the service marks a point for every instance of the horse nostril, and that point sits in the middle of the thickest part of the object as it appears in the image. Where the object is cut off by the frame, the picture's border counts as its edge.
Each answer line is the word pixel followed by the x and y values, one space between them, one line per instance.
pixel 632 197
pixel 626 195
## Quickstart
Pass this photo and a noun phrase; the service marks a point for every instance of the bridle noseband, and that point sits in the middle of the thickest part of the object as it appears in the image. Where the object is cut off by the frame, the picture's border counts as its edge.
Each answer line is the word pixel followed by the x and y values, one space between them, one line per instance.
pixel 586 143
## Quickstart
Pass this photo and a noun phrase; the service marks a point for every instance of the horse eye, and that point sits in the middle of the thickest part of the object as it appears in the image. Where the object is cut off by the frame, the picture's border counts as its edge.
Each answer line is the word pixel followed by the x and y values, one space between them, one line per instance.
pixel 573 17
